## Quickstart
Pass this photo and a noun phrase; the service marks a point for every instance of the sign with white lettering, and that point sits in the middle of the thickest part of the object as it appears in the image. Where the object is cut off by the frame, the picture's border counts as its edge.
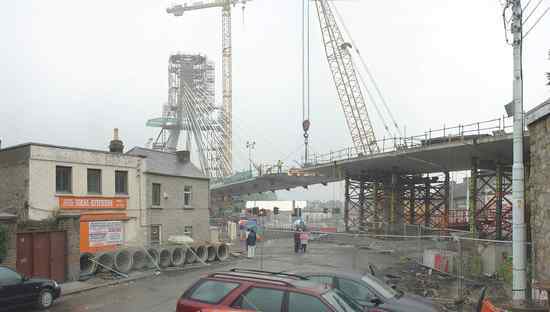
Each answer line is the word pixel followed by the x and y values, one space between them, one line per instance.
pixel 73 202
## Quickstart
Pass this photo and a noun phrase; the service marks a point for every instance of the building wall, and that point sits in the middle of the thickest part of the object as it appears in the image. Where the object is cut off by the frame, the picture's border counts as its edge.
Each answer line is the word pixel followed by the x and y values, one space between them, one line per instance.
pixel 171 213
pixel 539 195
pixel 68 224
pixel 44 201
pixel 14 181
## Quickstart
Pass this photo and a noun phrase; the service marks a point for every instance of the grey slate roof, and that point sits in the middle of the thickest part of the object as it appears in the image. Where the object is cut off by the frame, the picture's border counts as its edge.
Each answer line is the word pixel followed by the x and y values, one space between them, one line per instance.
pixel 538 112
pixel 166 164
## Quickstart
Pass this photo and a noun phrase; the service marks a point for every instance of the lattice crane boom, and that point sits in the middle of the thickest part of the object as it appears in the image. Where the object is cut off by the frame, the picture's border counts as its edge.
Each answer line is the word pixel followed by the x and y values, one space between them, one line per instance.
pixel 227 80
pixel 345 78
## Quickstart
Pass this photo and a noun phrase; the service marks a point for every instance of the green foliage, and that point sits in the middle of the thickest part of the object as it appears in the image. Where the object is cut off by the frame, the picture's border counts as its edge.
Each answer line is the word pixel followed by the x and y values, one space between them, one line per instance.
pixel 473 265
pixel 505 270
pixel 3 242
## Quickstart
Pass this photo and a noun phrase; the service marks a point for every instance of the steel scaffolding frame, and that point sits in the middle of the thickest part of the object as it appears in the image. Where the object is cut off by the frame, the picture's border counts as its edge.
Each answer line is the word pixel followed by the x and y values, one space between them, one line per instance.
pixel 491 202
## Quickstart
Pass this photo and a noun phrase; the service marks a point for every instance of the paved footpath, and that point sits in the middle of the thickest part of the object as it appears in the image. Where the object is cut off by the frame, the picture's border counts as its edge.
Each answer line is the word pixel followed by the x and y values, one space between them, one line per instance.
pixel 160 293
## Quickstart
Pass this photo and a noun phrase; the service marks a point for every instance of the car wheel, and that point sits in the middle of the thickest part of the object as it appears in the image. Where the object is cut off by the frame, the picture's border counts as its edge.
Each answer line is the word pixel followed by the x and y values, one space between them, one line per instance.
pixel 45 299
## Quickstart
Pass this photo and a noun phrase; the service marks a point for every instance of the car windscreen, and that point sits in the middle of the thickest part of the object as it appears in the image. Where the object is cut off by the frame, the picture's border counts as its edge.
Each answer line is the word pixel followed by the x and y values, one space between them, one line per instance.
pixel 212 291
pixel 340 302
pixel 380 287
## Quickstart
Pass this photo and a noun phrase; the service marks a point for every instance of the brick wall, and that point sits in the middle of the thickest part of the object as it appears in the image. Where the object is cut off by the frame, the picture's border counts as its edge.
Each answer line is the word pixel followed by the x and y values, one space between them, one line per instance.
pixel 539 195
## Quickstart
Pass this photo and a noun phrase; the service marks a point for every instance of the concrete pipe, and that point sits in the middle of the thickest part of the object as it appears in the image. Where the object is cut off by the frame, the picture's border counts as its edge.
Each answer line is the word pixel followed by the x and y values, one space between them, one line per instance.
pixel 190 256
pixel 222 251
pixel 202 253
pixel 123 261
pixel 153 258
pixel 211 253
pixel 139 259
pixel 87 266
pixel 178 256
pixel 165 257
pixel 106 260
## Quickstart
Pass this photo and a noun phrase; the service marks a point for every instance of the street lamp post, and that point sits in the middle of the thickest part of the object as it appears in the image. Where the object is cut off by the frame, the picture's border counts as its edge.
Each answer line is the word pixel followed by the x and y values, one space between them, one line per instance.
pixel 250 146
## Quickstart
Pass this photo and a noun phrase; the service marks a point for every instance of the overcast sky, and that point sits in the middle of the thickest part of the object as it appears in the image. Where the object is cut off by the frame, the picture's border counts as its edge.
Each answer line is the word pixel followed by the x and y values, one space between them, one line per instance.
pixel 73 70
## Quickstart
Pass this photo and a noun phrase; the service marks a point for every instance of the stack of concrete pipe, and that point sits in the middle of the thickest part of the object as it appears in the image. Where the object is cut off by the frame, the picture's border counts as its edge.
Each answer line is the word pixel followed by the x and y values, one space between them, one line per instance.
pixel 222 251
pixel 125 260
pixel 154 258
pixel 140 259
pixel 178 256
pixel 165 257
pixel 87 265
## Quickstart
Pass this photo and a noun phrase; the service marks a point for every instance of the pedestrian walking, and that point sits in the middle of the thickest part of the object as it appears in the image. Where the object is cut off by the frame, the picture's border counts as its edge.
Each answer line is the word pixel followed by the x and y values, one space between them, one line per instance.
pixel 297 246
pixel 304 238
pixel 279 167
pixel 251 243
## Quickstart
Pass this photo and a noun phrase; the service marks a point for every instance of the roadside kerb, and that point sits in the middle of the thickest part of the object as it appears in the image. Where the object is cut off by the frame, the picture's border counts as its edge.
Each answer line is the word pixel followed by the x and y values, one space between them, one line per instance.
pixel 143 275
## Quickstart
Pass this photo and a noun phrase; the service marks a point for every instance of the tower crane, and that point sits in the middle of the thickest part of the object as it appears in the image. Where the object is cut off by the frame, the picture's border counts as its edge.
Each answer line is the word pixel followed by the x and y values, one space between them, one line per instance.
pixel 345 78
pixel 178 10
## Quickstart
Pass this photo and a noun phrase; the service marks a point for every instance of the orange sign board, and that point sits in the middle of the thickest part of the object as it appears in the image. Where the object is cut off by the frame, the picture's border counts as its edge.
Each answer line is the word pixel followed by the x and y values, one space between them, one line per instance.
pixel 74 202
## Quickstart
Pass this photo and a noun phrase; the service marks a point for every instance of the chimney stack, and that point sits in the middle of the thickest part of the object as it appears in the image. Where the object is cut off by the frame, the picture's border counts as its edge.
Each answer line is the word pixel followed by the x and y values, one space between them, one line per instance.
pixel 116 145
pixel 183 156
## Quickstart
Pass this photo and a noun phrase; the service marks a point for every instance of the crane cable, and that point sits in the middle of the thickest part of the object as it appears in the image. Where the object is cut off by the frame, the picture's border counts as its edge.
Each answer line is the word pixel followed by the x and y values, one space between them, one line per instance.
pixel 367 70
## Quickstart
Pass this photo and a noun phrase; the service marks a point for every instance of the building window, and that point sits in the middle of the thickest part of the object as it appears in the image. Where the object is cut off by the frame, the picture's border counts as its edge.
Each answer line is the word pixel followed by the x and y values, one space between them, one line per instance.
pixel 121 182
pixel 156 231
pixel 187 191
pixel 188 230
pixel 94 181
pixel 63 179
pixel 156 194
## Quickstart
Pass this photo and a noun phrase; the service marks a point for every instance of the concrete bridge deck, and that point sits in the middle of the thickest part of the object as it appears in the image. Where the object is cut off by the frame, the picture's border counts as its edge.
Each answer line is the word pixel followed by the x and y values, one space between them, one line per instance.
pixel 436 156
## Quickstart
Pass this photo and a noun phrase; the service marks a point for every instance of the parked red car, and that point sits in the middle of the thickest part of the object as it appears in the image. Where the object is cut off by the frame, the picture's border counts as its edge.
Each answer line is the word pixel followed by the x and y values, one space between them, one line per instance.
pixel 254 290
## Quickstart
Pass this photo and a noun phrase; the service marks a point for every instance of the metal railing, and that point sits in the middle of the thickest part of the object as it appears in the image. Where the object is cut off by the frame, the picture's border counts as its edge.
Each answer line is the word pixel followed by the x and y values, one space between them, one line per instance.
pixel 493 127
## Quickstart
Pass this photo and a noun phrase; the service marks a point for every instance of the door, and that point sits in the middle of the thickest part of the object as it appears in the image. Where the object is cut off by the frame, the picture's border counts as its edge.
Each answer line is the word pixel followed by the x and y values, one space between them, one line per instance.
pixel 58 259
pixel 41 252
pixel 24 263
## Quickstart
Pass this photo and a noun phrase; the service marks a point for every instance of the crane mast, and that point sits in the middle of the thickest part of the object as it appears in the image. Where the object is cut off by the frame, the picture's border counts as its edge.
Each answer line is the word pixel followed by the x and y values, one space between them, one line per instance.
pixel 227 84
pixel 345 78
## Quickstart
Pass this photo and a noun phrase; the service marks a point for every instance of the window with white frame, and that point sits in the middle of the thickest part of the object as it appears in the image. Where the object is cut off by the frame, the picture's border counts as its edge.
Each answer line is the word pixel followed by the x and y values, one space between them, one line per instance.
pixel 187 195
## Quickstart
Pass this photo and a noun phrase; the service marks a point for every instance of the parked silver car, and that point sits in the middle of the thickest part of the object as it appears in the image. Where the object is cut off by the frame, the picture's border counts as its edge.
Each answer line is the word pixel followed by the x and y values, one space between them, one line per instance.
pixel 370 292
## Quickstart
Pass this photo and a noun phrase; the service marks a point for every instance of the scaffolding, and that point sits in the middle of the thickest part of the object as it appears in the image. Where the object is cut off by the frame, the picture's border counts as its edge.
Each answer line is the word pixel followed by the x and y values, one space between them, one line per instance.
pixel 191 110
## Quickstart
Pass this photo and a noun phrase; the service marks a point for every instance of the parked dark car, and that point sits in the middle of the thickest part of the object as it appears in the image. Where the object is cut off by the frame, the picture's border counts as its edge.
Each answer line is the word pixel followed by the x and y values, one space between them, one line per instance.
pixel 370 292
pixel 17 290
pixel 255 290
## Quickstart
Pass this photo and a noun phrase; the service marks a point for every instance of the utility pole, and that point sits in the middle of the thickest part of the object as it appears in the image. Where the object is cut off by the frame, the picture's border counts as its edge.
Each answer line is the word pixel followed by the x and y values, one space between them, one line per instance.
pixel 250 146
pixel 519 278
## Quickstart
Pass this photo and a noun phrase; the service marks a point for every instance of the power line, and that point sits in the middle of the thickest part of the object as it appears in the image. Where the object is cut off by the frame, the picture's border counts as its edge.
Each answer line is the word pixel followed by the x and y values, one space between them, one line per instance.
pixel 367 70
pixel 532 11
pixel 536 22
